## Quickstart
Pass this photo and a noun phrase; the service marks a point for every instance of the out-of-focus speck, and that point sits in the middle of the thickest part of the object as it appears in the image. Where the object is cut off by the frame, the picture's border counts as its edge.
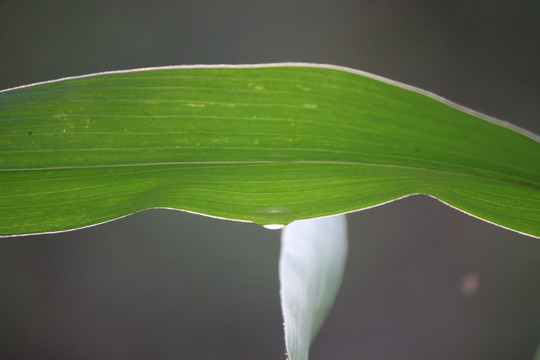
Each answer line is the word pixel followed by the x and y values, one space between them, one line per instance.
pixel 469 284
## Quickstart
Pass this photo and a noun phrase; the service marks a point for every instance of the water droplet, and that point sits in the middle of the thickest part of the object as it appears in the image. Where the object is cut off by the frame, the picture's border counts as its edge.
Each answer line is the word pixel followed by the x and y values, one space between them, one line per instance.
pixel 274 226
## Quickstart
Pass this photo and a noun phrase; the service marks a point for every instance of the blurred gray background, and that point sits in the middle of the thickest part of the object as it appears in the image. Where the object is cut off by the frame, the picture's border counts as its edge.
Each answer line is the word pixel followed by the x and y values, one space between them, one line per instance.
pixel 423 281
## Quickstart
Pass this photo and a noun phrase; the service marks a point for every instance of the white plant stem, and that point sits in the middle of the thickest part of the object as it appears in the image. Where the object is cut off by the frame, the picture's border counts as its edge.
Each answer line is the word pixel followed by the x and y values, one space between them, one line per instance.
pixel 311 265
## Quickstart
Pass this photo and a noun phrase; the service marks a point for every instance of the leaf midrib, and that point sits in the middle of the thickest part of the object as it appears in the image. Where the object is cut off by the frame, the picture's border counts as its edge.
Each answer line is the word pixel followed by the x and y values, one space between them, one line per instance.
pixel 437 171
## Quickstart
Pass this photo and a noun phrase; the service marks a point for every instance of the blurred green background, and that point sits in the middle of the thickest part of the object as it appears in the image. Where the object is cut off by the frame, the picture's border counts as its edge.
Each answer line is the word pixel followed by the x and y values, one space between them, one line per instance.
pixel 423 281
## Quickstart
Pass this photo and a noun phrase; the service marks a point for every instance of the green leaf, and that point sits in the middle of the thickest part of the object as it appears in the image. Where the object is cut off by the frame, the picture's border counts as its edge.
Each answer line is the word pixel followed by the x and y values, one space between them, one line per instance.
pixel 311 265
pixel 269 144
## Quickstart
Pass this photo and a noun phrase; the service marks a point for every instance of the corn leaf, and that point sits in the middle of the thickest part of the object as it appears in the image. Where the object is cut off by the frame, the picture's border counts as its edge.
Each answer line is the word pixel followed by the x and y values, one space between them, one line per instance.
pixel 269 144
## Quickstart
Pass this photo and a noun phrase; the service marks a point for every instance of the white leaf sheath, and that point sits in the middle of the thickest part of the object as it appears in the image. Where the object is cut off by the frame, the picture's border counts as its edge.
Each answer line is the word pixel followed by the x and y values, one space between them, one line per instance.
pixel 311 265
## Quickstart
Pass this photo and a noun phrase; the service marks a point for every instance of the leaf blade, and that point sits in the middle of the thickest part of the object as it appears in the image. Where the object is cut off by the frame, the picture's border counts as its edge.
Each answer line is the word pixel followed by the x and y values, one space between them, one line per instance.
pixel 240 142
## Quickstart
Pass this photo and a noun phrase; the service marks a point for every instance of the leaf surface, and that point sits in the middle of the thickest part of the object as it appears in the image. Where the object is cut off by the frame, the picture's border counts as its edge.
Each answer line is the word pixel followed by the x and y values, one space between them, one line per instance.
pixel 269 144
